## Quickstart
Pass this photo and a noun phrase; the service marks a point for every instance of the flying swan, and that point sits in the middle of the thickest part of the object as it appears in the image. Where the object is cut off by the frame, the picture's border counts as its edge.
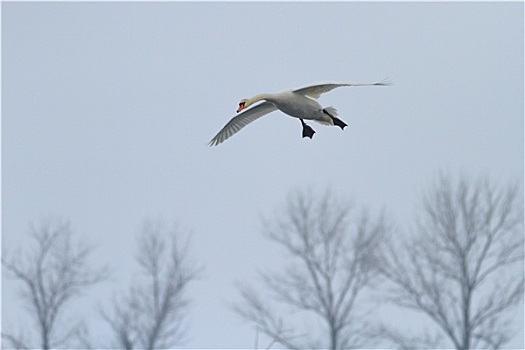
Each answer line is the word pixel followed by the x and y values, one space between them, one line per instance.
pixel 300 103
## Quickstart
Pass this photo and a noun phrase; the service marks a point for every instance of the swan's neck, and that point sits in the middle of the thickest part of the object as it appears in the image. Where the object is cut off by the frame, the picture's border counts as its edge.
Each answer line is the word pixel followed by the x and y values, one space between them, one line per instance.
pixel 260 97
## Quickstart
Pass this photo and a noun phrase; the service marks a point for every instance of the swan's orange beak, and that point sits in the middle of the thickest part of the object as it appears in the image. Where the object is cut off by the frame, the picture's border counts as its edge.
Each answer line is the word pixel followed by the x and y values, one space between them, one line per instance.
pixel 241 107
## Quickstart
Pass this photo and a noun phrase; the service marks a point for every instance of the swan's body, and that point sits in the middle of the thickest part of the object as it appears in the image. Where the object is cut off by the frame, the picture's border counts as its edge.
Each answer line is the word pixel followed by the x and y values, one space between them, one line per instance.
pixel 300 103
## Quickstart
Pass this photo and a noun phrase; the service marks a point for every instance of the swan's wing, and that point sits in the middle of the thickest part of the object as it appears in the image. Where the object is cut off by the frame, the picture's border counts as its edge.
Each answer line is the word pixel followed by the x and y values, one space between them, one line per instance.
pixel 240 121
pixel 315 91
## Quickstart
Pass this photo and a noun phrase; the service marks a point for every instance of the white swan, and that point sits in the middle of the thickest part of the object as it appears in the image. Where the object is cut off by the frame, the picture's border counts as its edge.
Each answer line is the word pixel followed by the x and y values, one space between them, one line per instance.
pixel 300 103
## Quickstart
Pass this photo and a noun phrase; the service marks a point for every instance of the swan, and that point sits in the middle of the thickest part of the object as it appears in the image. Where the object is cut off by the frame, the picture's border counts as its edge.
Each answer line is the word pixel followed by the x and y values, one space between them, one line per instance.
pixel 300 103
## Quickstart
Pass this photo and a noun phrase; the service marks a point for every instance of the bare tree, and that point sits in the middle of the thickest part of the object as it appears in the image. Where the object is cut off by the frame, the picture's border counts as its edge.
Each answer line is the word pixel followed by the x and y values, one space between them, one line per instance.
pixel 462 268
pixel 151 315
pixel 55 272
pixel 330 248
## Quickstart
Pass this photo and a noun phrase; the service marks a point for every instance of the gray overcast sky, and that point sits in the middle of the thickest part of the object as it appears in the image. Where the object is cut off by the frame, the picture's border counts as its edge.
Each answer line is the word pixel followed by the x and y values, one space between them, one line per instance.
pixel 108 107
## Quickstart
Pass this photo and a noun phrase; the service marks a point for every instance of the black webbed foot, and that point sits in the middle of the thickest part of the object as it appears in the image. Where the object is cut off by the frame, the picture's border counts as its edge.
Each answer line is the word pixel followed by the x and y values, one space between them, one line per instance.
pixel 338 122
pixel 307 130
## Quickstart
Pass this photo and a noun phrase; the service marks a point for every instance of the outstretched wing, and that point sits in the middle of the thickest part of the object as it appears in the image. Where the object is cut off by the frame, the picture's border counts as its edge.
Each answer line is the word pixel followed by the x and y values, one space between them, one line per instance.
pixel 240 121
pixel 315 91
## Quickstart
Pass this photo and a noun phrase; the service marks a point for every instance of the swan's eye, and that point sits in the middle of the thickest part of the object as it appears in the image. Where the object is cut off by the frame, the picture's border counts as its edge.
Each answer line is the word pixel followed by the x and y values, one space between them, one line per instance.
pixel 241 104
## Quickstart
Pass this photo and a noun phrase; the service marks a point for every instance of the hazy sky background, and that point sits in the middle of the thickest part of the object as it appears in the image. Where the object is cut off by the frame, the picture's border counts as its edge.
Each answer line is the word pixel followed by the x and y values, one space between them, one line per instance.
pixel 108 107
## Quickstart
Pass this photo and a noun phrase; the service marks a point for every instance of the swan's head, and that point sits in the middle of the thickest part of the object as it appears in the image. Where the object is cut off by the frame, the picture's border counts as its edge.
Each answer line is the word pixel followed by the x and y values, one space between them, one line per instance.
pixel 243 104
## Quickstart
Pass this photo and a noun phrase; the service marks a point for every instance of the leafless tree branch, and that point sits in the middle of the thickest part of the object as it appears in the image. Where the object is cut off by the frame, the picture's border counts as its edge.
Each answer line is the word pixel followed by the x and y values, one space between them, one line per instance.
pixel 151 315
pixel 53 274
pixel 333 250
pixel 460 267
